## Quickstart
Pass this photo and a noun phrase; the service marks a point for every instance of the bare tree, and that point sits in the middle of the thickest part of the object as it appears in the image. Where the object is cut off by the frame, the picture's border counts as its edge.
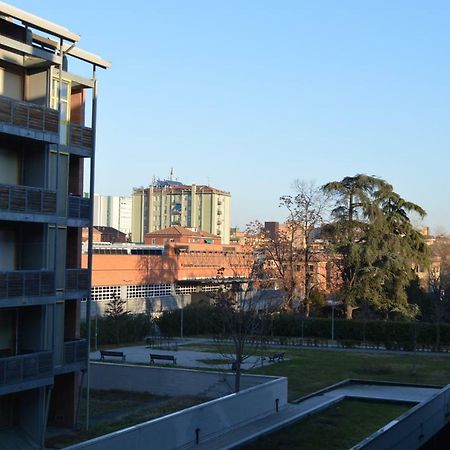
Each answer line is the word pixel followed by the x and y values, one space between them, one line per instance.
pixel 306 213
pixel 242 316
pixel 290 253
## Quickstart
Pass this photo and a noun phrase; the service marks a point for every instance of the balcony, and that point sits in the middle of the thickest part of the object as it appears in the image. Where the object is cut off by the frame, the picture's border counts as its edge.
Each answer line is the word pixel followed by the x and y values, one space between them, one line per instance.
pixel 28 120
pixel 79 211
pixel 75 351
pixel 74 358
pixel 77 283
pixel 23 203
pixel 27 287
pixel 27 371
pixel 81 140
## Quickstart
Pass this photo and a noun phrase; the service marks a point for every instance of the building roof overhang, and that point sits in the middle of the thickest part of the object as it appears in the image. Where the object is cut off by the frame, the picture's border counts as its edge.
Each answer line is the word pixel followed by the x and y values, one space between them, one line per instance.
pixel 37 22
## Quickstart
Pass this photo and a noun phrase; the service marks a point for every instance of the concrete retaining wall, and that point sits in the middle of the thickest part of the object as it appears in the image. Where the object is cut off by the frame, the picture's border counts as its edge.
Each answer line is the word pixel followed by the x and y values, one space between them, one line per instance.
pixel 168 381
pixel 414 428
pixel 180 430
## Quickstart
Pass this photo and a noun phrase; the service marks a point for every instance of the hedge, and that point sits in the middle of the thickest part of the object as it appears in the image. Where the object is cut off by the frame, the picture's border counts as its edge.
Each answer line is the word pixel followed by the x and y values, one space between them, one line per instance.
pixel 205 320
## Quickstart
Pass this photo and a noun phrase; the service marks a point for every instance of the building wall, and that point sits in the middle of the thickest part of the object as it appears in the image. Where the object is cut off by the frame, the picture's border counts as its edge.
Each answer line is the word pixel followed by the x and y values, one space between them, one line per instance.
pixel 194 206
pixel 113 211
pixel 191 262
pixel 42 155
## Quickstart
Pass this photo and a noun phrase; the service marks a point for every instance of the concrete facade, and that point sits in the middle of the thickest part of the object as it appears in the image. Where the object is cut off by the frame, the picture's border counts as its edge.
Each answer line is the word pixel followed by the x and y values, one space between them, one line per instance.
pixel 44 142
pixel 168 203
pixel 113 211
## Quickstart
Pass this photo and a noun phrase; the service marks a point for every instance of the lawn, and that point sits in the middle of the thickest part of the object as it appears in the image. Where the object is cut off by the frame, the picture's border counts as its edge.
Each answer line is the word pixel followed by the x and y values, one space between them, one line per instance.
pixel 114 410
pixel 309 370
pixel 338 428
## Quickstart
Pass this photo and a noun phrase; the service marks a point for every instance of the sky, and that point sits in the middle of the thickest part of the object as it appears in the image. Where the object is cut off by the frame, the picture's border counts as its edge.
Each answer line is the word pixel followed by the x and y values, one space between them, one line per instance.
pixel 250 95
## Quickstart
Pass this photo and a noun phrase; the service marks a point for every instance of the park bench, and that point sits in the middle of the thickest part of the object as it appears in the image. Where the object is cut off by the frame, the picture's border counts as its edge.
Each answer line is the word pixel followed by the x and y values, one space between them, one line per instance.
pixel 154 357
pixel 112 353
pixel 161 343
pixel 276 356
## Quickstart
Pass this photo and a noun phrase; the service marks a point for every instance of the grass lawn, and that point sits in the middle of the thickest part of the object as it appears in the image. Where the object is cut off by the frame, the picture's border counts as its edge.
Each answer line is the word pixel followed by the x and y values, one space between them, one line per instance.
pixel 215 361
pixel 114 410
pixel 338 428
pixel 309 370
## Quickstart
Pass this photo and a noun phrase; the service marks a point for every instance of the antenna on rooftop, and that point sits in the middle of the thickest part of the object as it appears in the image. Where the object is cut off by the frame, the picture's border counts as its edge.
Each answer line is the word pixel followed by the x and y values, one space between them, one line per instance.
pixel 171 174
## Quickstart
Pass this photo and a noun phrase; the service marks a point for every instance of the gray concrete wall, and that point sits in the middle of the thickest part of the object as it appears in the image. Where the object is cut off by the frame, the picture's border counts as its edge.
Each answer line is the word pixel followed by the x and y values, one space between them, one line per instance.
pixel 414 428
pixel 178 430
pixel 151 305
pixel 168 381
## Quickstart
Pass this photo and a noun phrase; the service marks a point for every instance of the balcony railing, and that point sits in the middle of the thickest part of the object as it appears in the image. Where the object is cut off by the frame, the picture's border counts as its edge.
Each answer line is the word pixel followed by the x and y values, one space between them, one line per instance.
pixel 75 351
pixel 28 116
pixel 27 283
pixel 79 207
pixel 77 280
pixel 28 200
pixel 81 136
pixel 22 368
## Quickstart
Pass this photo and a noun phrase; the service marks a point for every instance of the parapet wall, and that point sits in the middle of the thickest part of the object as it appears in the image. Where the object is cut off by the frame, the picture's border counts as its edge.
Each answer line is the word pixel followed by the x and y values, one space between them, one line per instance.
pixel 186 428
pixel 168 381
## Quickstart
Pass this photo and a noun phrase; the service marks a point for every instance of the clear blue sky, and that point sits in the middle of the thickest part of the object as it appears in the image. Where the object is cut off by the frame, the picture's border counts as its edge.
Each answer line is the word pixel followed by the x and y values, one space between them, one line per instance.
pixel 249 95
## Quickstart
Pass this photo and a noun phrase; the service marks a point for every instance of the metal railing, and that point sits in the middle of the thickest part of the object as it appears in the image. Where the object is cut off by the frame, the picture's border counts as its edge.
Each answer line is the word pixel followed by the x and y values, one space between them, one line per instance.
pixel 75 351
pixel 28 115
pixel 21 368
pixel 25 199
pixel 80 136
pixel 79 207
pixel 77 279
pixel 27 283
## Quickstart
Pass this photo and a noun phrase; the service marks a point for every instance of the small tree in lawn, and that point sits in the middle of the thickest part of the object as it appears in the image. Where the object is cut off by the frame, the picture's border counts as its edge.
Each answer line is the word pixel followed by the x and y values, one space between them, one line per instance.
pixel 241 321
pixel 116 312
pixel 241 324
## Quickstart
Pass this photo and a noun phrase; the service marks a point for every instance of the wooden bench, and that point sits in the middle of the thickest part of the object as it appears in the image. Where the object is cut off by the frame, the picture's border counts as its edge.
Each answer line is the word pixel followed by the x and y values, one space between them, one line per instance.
pixel 154 357
pixel 276 356
pixel 112 353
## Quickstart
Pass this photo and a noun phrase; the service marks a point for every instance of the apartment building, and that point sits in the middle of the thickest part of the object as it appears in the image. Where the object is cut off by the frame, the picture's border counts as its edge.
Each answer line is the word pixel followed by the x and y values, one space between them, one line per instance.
pixel 167 203
pixel 44 142
pixel 113 211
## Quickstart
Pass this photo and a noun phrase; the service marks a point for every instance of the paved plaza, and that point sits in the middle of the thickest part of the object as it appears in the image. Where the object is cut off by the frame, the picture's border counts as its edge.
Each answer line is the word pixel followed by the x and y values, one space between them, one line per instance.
pixel 184 358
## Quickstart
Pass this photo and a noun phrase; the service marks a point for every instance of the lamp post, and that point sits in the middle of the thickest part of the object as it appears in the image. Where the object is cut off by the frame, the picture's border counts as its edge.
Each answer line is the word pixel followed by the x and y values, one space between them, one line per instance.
pixel 332 321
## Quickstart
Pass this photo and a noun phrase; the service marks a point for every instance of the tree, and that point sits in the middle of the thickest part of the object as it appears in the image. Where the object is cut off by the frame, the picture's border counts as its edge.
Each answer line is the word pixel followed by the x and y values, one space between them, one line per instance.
pixel 240 316
pixel 288 254
pixel 116 312
pixel 377 245
pixel 305 216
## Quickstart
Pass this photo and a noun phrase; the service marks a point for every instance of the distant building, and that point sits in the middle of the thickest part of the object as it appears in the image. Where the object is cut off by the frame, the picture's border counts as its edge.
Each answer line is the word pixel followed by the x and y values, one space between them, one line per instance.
pixel 238 237
pixel 113 211
pixel 168 203
pixel 105 234
pixel 180 235
pixel 153 278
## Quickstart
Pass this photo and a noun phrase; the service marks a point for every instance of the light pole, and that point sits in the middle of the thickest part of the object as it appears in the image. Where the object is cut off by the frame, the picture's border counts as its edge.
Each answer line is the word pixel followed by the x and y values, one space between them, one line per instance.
pixel 332 321
pixel 182 318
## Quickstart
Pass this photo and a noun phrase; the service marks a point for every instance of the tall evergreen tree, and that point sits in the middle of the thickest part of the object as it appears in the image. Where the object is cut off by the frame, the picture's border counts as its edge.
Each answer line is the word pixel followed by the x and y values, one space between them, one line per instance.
pixel 377 244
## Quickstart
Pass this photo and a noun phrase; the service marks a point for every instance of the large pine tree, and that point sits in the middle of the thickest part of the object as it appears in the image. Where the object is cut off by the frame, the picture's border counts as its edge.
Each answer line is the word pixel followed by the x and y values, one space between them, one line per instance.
pixel 377 244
